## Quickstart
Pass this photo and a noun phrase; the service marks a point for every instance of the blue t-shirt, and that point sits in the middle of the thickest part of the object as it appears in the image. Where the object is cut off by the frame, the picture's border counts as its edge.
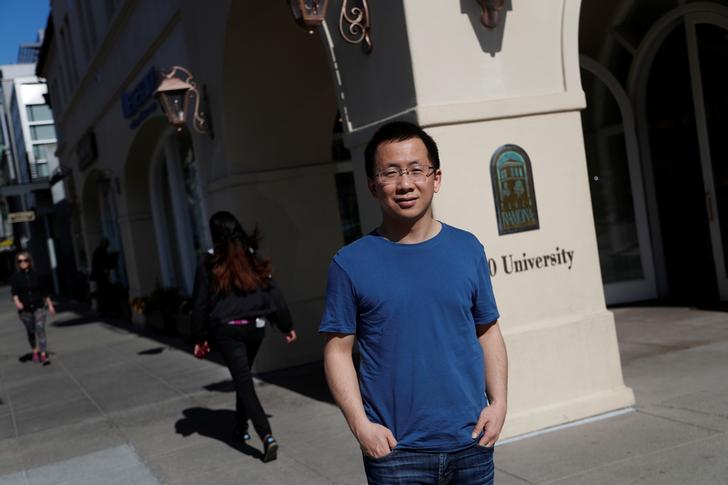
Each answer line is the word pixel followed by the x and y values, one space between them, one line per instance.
pixel 413 309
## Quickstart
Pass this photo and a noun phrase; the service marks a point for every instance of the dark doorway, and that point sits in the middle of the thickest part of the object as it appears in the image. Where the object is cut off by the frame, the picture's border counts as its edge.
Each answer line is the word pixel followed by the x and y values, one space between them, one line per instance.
pixel 678 175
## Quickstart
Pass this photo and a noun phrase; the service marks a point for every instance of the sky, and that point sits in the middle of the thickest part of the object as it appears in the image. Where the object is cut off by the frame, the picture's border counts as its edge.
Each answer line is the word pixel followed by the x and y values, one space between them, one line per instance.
pixel 19 22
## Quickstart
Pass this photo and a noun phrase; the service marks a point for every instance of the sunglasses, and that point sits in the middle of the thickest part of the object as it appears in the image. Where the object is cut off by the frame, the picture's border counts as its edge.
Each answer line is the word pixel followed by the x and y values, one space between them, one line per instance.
pixel 23 260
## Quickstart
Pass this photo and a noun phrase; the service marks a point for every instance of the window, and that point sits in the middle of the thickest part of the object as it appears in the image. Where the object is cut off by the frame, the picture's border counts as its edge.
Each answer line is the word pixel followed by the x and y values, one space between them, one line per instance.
pixel 43 132
pixel 348 207
pixel 39 112
pixel 39 170
pixel 87 27
pixel 70 55
pixel 44 152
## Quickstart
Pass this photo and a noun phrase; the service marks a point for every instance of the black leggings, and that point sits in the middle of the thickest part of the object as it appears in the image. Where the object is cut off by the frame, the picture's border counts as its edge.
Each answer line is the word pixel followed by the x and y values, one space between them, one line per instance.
pixel 239 345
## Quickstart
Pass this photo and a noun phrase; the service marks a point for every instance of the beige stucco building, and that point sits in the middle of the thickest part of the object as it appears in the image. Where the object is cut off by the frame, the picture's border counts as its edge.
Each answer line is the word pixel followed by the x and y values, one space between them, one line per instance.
pixel 578 87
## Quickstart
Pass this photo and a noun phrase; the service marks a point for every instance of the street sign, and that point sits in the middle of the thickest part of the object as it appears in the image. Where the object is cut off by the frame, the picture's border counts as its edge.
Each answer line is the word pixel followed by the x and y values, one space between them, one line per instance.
pixel 25 216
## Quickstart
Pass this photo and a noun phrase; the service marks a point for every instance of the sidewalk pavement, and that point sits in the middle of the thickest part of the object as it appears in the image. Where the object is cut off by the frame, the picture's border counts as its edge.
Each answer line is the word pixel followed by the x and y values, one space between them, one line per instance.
pixel 120 406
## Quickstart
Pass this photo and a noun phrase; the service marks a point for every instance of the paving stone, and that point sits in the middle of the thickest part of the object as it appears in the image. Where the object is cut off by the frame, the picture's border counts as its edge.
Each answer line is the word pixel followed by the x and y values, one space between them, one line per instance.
pixel 115 465
pixel 502 477
pixel 7 430
pixel 215 462
pixel 11 460
pixel 575 450
pixel 153 430
pixel 66 442
pixel 195 381
pixel 21 373
pixel 703 462
pixel 18 478
pixel 56 388
pixel 90 360
pixel 124 386
pixel 54 414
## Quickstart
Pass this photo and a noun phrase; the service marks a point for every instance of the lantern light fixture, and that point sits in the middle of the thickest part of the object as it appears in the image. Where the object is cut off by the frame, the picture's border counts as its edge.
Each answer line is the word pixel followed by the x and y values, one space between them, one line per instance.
pixel 309 13
pixel 491 16
pixel 174 93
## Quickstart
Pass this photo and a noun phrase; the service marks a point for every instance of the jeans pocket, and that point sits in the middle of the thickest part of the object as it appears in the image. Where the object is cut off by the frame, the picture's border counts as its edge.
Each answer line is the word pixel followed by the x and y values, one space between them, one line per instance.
pixel 381 458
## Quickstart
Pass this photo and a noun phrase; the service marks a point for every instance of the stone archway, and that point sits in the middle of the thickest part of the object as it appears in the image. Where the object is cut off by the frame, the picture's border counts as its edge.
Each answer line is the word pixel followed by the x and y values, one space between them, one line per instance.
pixel 136 210
pixel 164 214
pixel 278 169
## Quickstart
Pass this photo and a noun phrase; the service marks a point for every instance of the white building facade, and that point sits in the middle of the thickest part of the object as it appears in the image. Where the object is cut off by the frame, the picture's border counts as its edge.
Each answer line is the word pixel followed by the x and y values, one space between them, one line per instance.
pixel 564 222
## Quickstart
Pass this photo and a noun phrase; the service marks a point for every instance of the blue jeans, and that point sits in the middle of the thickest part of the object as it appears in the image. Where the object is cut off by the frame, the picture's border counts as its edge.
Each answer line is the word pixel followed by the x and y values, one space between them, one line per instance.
pixel 471 466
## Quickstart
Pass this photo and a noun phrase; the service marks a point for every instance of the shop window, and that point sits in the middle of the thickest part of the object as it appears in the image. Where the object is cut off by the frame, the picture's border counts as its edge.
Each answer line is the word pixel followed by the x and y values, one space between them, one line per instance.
pixel 44 152
pixel 43 132
pixel 39 112
pixel 345 188
pixel 348 207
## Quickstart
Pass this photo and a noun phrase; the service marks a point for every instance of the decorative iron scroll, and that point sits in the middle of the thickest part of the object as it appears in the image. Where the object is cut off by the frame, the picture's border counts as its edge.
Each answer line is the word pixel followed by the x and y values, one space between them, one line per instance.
pixel 354 24
pixel 491 12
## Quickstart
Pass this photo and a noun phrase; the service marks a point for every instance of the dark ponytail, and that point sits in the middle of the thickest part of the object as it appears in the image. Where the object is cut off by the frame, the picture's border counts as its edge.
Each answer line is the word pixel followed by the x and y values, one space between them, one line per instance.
pixel 234 263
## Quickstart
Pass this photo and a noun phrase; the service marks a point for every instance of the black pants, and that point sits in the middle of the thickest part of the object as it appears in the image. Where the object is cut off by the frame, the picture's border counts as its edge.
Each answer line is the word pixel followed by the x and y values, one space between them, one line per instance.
pixel 239 345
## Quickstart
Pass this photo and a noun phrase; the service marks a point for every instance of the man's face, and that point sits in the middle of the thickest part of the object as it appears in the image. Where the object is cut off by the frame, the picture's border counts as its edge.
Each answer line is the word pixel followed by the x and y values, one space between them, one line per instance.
pixel 404 197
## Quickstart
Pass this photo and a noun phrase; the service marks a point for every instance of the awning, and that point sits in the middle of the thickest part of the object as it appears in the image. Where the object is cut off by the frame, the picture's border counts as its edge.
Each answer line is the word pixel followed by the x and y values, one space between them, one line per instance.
pixel 12 190
pixel 7 245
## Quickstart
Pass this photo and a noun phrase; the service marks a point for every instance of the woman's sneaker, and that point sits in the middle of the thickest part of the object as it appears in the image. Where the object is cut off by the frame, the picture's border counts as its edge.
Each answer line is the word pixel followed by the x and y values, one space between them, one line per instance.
pixel 36 356
pixel 270 449
pixel 241 435
pixel 44 358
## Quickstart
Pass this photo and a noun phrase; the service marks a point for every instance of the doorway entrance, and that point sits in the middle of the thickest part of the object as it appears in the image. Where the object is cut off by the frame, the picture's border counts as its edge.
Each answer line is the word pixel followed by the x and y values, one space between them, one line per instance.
pixel 686 115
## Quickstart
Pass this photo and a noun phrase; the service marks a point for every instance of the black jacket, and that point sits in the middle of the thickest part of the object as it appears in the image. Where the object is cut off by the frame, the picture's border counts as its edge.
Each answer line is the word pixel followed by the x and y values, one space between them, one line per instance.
pixel 209 309
pixel 27 286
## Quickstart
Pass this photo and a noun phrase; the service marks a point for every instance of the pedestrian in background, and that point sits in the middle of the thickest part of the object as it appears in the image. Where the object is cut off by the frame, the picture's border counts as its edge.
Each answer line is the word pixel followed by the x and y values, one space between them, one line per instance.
pixel 234 298
pixel 33 302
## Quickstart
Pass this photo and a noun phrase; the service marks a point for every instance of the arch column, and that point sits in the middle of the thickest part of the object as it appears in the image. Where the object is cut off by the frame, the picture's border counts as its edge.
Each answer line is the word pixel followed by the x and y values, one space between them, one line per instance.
pixel 182 227
pixel 474 91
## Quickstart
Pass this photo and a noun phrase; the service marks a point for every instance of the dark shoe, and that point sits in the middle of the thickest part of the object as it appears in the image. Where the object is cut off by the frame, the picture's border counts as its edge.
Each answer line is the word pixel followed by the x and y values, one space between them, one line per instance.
pixel 241 434
pixel 270 449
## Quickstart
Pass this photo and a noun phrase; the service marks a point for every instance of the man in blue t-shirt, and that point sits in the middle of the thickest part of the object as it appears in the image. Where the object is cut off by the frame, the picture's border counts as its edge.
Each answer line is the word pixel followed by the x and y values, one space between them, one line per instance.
pixel 416 294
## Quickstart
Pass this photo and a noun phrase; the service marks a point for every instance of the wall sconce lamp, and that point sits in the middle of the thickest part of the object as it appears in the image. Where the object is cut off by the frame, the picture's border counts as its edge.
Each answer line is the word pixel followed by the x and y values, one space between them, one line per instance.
pixel 354 23
pixel 174 93
pixel 491 12
pixel 309 13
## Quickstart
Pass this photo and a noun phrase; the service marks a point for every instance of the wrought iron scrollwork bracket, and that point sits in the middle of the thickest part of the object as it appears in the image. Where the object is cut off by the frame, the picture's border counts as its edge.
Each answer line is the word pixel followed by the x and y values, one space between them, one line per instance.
pixel 355 24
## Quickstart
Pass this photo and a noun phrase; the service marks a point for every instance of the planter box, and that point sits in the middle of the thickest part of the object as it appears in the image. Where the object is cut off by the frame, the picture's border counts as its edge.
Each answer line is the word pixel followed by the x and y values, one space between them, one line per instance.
pixel 183 324
pixel 154 319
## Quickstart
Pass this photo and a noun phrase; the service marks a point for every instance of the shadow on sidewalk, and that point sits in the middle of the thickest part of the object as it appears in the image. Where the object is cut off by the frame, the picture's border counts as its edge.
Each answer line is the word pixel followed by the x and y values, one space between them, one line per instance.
pixel 72 322
pixel 26 357
pixel 307 380
pixel 216 424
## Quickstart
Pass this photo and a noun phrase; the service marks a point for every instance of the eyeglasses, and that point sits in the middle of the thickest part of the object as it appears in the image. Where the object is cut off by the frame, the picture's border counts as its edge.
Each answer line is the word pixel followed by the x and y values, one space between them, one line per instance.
pixel 416 173
pixel 23 260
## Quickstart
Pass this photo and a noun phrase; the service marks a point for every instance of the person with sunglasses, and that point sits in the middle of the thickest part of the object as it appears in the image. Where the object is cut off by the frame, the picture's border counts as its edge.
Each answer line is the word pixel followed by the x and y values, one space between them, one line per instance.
pixel 429 401
pixel 33 304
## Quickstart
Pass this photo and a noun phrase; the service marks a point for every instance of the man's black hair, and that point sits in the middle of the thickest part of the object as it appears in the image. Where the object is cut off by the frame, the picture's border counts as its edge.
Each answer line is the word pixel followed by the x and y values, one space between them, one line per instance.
pixel 394 132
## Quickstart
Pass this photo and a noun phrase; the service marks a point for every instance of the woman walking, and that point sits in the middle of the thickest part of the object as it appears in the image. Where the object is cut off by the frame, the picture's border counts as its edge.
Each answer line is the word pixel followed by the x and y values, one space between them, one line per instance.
pixel 31 299
pixel 234 299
